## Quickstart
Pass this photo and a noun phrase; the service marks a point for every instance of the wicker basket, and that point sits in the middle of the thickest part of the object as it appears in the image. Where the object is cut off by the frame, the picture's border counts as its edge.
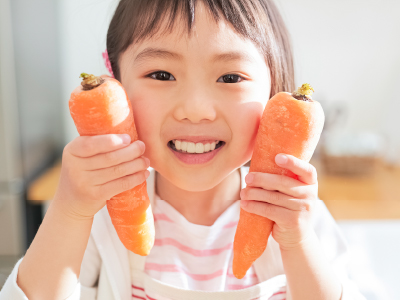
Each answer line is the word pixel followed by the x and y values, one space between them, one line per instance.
pixel 348 165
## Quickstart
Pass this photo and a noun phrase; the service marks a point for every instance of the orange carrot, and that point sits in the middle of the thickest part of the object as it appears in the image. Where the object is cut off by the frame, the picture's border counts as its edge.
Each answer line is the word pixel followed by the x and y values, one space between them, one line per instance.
pixel 101 106
pixel 290 124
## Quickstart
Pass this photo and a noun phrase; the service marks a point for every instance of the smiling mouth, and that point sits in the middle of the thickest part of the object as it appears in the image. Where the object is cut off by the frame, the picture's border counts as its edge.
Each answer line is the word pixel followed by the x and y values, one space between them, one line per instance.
pixel 172 146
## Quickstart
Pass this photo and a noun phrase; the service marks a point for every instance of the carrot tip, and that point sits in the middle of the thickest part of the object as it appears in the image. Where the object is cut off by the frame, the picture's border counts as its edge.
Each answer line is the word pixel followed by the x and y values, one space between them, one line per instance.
pixel 304 92
pixel 90 81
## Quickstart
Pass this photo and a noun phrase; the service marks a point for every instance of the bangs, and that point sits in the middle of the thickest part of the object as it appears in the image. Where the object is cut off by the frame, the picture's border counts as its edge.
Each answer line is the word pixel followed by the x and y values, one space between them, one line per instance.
pixel 147 16
pixel 136 20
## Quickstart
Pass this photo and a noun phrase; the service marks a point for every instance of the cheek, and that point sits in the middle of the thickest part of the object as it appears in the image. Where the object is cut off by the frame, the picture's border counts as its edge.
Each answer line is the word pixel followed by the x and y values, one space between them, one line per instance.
pixel 146 115
pixel 245 122
pixel 244 108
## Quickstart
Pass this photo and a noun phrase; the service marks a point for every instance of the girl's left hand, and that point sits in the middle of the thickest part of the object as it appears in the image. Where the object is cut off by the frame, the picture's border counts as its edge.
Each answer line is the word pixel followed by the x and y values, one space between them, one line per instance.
pixel 286 201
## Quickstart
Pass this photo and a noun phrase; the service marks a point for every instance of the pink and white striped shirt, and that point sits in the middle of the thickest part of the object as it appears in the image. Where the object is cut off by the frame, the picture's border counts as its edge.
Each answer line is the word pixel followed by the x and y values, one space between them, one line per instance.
pixel 194 257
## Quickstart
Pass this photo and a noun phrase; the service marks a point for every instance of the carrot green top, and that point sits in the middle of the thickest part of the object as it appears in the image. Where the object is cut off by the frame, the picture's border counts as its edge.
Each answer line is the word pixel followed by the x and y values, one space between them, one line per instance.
pixel 90 81
pixel 304 93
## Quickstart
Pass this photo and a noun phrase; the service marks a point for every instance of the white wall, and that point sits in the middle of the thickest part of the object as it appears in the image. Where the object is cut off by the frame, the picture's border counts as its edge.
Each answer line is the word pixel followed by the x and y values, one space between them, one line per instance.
pixel 83 26
pixel 349 51
pixel 34 26
pixel 11 219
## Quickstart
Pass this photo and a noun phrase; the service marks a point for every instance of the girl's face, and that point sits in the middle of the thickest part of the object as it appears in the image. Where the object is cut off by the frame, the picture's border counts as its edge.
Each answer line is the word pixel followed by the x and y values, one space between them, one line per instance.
pixel 213 83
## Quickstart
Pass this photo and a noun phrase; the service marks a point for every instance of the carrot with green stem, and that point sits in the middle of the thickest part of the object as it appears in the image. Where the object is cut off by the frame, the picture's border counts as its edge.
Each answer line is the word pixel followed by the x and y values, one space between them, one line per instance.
pixel 101 106
pixel 290 124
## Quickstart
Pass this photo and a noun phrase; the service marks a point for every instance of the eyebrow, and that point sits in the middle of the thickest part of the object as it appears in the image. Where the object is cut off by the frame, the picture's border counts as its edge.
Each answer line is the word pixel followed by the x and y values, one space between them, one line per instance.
pixel 148 53
pixel 233 56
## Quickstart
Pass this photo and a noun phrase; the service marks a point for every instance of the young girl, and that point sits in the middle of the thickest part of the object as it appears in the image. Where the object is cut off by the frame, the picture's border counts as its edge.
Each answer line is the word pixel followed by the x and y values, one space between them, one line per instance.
pixel 198 74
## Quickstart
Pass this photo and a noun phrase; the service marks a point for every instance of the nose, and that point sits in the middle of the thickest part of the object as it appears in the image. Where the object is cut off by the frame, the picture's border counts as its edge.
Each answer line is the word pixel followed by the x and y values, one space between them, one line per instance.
pixel 195 103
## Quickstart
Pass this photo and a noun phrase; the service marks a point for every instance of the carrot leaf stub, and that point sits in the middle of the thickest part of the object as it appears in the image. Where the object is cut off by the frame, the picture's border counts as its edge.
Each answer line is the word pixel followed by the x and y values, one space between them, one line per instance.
pixel 304 93
pixel 90 81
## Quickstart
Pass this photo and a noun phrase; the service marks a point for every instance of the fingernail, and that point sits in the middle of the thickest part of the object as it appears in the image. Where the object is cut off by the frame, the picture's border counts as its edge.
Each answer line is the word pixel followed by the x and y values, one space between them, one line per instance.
pixel 141 145
pixel 249 178
pixel 126 138
pixel 147 161
pixel 281 159
pixel 243 203
pixel 147 173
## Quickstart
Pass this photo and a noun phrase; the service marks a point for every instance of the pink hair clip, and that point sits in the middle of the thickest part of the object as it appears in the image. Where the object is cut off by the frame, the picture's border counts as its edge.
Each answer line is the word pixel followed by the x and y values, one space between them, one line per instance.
pixel 107 63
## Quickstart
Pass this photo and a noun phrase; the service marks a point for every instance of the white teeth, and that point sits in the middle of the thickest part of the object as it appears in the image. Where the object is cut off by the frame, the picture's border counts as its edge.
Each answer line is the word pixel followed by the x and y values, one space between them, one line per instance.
pixel 199 148
pixel 178 145
pixel 184 146
pixel 191 148
pixel 194 147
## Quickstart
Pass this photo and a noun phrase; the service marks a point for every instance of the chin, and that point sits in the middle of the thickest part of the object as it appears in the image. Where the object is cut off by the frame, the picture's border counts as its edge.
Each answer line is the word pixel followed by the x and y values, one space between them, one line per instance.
pixel 195 182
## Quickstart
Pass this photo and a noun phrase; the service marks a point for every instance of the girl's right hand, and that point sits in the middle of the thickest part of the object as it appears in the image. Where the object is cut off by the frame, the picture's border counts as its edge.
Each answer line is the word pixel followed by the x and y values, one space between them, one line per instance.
pixel 96 168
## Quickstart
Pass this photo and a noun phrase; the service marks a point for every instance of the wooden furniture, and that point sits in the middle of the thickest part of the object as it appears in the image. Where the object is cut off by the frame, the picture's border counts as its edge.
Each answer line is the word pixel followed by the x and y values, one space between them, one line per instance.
pixel 375 196
pixel 44 187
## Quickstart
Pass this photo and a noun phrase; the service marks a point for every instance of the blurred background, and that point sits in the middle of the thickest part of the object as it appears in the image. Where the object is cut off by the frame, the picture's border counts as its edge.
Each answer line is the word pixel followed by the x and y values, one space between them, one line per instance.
pixel 348 50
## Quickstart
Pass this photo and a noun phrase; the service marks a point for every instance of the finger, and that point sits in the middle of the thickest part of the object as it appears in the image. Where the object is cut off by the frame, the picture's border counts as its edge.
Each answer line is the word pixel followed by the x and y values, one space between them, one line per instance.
pixel 117 186
pixel 280 183
pixel 273 212
pixel 272 197
pixel 87 146
pixel 116 157
pixel 304 170
pixel 127 168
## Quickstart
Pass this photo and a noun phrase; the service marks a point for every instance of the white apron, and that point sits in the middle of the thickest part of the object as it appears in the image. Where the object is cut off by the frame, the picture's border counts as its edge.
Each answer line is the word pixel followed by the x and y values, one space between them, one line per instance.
pixel 157 290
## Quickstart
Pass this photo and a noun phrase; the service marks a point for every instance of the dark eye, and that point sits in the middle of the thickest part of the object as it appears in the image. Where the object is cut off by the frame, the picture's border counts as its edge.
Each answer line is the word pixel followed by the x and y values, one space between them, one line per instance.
pixel 230 78
pixel 161 75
